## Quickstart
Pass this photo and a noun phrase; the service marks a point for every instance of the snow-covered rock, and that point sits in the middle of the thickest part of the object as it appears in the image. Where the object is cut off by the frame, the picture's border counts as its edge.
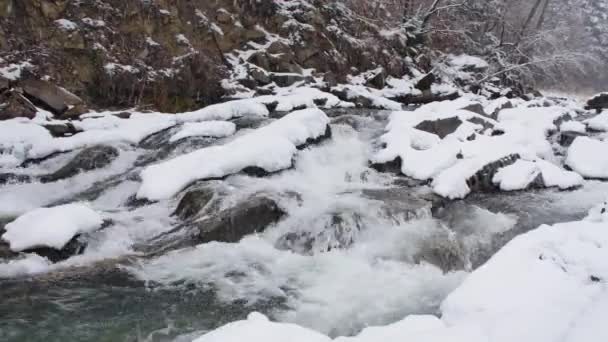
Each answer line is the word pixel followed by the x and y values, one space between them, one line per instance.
pixel 573 126
pixel 588 157
pixel 51 227
pixel 225 111
pixel 17 139
pixel 270 148
pixel 599 123
pixel 214 129
pixel 523 173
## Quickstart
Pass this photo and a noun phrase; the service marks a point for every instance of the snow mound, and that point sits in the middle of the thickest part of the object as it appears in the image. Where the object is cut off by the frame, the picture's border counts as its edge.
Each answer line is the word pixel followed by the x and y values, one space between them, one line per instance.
pixel 17 139
pixel 598 123
pixel 214 129
pixel 588 157
pixel 270 148
pixel 258 328
pixel 51 227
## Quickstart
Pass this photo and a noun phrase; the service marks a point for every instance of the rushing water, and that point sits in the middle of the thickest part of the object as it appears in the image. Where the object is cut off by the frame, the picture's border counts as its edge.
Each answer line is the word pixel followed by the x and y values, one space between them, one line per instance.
pixel 111 293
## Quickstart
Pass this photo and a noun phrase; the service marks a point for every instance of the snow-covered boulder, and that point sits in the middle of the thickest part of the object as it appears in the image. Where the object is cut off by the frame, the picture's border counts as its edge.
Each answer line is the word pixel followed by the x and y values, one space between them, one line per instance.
pixel 524 174
pixel 51 228
pixel 265 150
pixel 598 123
pixel 589 157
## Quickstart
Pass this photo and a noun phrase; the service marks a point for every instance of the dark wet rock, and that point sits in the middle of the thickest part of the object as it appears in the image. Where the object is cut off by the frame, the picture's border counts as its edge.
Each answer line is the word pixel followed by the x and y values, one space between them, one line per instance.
pixel 400 204
pixel 260 76
pixel 193 202
pixel 89 159
pixel 169 149
pixel 425 97
pixel 348 120
pixel 598 102
pixel 76 246
pixel 289 79
pixel 443 250
pixel 14 105
pixel 476 108
pixel 393 166
pixel 56 99
pixel 441 127
pixel 158 139
pixel 320 102
pixel 61 130
pixel 567 138
pixel 271 106
pixel 426 82
pixel 251 216
pixel 315 141
pixel 6 178
pixel 249 122
pixel 505 105
pixel 335 231
pixel 561 119
pixel 482 180
pixel 480 121
pixel 123 115
pixel 378 80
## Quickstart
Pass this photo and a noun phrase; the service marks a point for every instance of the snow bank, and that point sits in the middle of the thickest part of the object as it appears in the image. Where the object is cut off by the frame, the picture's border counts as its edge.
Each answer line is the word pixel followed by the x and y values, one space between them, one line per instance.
pixel 598 123
pixel 214 129
pixel 51 227
pixel 544 286
pixel 271 148
pixel 588 157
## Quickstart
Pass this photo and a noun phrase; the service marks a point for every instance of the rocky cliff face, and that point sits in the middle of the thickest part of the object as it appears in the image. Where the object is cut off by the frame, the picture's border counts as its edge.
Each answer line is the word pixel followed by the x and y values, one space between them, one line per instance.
pixel 174 55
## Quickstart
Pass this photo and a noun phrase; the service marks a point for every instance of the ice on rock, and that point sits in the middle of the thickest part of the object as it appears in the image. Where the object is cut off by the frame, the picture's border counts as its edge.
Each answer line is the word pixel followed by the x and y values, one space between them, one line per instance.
pixel 588 157
pixel 51 227
pixel 271 148
pixel 214 129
